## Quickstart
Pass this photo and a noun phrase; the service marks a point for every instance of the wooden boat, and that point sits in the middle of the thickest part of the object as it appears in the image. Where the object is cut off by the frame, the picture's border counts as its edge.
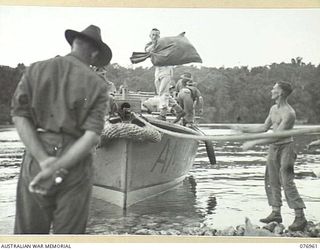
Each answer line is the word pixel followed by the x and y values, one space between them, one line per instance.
pixel 128 171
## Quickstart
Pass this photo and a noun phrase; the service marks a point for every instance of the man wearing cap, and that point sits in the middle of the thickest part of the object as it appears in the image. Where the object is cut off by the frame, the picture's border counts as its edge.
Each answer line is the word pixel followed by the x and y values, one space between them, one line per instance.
pixel 182 82
pixel 58 109
pixel 189 97
pixel 163 77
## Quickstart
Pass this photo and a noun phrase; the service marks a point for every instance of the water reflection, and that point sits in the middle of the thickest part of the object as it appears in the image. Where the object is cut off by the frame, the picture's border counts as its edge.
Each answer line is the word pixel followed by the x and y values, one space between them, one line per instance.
pixel 193 184
pixel 211 204
pixel 173 210
pixel 177 200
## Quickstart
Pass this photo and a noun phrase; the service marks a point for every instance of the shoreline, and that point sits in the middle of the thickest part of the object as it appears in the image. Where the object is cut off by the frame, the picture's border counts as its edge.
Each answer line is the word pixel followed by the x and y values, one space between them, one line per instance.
pixel 4 127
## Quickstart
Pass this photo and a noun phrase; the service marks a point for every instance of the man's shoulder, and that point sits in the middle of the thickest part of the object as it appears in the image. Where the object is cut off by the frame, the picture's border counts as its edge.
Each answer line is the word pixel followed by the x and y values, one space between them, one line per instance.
pixel 274 106
pixel 291 110
pixel 42 62
pixel 62 62
pixel 40 65
pixel 194 89
pixel 288 109
pixel 285 111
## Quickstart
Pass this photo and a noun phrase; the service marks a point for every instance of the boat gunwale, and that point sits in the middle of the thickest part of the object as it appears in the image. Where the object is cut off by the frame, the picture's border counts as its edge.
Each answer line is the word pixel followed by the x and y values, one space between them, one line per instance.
pixel 172 126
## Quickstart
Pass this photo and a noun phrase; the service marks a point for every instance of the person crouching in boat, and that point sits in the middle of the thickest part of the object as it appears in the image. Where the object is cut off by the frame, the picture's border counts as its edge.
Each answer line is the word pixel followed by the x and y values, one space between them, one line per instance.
pixel 189 97
pixel 176 109
pixel 152 105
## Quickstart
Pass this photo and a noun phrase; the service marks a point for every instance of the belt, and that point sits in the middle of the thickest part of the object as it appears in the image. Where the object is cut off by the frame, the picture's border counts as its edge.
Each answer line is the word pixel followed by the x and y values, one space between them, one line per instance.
pixel 42 130
pixel 64 137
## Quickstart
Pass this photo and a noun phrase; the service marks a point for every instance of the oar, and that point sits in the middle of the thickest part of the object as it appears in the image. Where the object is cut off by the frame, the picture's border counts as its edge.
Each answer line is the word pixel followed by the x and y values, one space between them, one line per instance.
pixel 209 147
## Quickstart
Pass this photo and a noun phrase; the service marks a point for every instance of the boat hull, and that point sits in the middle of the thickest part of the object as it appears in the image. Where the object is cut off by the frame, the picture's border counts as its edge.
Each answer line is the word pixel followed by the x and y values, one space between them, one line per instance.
pixel 127 172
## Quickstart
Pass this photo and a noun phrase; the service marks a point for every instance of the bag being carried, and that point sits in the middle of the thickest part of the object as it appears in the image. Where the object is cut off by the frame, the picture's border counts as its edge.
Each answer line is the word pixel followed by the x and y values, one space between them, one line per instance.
pixel 175 50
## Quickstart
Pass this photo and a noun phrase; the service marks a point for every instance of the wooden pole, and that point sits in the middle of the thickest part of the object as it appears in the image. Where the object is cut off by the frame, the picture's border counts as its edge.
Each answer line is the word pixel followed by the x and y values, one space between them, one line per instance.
pixel 209 148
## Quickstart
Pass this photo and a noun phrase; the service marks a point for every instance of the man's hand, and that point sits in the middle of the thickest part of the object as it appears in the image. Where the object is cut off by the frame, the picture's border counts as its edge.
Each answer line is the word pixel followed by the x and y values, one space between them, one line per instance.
pixel 45 178
pixel 248 145
pixel 313 144
pixel 236 128
pixel 200 111
pixel 42 181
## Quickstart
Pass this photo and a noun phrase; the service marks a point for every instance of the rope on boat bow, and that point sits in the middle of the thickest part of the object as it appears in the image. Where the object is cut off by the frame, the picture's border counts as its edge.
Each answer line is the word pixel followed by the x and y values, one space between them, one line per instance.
pixel 129 131
pixel 236 137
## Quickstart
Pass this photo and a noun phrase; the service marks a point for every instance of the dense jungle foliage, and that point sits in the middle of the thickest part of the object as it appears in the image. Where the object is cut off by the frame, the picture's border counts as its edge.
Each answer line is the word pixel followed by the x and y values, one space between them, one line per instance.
pixel 237 94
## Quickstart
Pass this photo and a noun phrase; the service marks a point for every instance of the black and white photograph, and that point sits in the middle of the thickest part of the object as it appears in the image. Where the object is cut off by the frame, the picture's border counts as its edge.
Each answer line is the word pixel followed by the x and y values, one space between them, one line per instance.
pixel 198 122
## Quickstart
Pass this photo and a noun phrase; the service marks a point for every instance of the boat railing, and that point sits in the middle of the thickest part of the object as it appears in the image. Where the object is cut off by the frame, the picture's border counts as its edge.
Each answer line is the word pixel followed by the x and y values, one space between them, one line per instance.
pixel 135 99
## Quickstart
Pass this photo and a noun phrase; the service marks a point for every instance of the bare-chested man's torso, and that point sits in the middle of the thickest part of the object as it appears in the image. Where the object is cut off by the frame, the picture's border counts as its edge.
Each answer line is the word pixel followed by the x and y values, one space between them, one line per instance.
pixel 282 118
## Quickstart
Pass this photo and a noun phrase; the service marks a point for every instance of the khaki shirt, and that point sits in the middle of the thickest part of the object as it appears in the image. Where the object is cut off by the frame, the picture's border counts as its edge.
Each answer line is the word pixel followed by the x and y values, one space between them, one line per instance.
pixel 62 95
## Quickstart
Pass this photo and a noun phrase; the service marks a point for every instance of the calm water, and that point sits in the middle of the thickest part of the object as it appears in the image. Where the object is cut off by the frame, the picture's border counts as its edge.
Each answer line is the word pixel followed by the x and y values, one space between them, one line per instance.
pixel 215 196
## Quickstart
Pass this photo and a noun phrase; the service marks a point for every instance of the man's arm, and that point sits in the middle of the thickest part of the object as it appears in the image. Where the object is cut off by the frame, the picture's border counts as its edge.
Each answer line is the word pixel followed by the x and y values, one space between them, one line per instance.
pixel 92 128
pixel 50 164
pixel 74 154
pixel 150 46
pixel 314 144
pixel 199 104
pixel 286 123
pixel 255 129
pixel 30 138
pixel 80 149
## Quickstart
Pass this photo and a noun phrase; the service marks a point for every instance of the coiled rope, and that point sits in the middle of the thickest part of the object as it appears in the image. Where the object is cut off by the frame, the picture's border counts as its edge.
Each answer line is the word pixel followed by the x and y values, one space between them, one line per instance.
pixel 129 131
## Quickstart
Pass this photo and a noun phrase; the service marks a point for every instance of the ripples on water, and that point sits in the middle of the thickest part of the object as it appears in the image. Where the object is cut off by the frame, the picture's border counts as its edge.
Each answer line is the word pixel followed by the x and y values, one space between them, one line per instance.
pixel 215 196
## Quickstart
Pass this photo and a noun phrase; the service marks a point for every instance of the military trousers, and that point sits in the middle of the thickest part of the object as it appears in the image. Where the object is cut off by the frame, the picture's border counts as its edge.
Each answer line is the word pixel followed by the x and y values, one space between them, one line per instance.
pixel 280 173
pixel 65 209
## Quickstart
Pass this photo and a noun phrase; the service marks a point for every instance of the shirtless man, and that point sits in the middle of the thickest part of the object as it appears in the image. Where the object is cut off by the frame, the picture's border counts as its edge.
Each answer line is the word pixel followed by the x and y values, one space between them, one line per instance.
pixel 281 158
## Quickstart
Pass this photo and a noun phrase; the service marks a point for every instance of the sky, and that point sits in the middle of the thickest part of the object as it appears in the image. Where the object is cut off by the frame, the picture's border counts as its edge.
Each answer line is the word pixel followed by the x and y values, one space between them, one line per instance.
pixel 222 37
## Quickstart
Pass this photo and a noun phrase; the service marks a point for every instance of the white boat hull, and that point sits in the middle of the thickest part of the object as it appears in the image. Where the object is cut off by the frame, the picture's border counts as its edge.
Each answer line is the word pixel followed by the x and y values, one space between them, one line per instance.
pixel 127 172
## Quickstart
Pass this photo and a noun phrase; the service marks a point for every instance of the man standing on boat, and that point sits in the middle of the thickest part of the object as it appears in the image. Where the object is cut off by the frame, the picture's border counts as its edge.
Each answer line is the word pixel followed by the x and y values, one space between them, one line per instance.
pixel 163 78
pixel 189 97
pixel 281 158
pixel 58 109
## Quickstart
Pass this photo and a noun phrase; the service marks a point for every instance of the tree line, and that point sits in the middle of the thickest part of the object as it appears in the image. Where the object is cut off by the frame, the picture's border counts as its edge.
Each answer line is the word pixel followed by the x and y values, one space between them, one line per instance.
pixel 237 94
